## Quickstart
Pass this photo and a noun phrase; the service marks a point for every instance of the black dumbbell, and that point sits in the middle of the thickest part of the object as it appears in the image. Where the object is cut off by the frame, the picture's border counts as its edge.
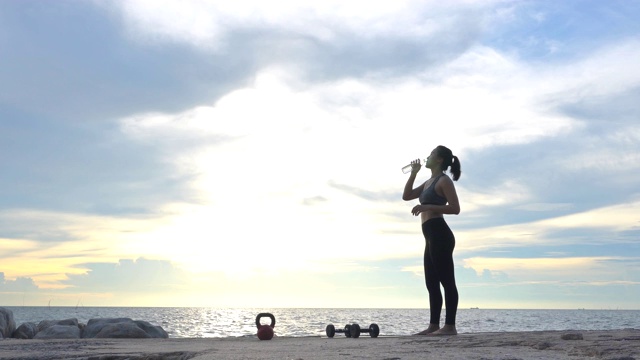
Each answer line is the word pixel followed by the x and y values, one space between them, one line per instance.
pixel 373 330
pixel 331 330
pixel 353 330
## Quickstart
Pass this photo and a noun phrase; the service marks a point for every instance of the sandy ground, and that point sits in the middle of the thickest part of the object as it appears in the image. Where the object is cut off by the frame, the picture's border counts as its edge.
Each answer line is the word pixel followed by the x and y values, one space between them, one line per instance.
pixel 610 345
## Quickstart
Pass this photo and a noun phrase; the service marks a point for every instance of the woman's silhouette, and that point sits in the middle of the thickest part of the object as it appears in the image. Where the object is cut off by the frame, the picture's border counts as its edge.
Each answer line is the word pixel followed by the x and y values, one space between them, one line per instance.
pixel 437 197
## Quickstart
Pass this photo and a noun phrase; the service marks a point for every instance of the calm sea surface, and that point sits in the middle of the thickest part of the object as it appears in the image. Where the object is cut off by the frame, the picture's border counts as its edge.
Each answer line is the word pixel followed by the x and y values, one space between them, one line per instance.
pixel 210 322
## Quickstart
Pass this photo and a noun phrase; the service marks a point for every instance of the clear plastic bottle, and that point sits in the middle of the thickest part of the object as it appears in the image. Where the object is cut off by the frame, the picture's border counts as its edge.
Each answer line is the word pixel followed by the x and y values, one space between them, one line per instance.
pixel 407 168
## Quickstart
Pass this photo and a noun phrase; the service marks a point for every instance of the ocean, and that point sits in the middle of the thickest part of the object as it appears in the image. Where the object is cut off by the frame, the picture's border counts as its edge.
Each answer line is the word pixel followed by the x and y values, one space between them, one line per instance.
pixel 184 322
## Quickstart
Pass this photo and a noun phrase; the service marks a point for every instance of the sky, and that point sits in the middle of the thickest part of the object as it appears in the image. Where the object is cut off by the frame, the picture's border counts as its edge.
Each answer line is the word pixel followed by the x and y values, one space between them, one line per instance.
pixel 248 153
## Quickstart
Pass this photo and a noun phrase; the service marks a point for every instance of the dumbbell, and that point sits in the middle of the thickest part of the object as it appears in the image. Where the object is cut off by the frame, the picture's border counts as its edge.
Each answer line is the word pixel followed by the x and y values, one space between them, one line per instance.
pixel 331 330
pixel 373 330
pixel 353 330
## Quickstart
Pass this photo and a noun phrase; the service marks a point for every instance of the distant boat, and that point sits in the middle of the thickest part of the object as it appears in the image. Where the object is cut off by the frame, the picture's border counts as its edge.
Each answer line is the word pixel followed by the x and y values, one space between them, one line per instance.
pixel 474 308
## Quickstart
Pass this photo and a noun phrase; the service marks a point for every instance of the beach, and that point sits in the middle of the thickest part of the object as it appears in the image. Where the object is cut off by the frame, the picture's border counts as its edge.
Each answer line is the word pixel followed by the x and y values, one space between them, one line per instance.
pixel 609 345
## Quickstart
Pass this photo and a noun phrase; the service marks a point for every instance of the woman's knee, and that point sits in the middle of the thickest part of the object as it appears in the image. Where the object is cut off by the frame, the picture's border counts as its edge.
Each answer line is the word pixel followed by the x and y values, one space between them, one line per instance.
pixel 433 286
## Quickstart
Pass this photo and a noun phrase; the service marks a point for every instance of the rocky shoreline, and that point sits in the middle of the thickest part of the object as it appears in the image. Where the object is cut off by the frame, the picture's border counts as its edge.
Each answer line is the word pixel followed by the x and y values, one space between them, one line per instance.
pixel 102 328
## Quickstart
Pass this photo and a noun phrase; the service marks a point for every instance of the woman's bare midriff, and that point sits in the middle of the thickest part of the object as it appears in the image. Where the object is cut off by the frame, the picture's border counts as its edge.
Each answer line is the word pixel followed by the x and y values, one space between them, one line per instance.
pixel 424 216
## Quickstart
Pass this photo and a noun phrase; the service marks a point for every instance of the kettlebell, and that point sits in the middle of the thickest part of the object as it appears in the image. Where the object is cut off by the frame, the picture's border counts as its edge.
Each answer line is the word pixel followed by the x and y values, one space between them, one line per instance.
pixel 265 332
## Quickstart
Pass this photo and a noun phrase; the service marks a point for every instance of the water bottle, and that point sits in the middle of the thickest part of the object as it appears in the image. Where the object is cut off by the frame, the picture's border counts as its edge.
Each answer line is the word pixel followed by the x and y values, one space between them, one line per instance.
pixel 407 169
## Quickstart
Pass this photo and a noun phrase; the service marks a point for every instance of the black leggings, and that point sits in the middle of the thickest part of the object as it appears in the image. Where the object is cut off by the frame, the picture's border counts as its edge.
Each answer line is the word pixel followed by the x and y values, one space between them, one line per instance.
pixel 438 269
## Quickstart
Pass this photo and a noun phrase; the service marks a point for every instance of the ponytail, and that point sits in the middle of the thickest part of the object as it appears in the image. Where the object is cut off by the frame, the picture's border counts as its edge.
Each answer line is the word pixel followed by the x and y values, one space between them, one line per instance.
pixel 455 168
pixel 448 159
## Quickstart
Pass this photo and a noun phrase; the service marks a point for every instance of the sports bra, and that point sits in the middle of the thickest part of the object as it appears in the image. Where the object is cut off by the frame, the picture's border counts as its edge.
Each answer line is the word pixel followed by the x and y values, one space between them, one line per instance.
pixel 430 196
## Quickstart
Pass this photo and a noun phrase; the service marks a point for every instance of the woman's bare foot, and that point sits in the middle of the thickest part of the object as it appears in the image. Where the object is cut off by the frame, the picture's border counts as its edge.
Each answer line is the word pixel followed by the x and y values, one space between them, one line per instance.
pixel 446 330
pixel 432 328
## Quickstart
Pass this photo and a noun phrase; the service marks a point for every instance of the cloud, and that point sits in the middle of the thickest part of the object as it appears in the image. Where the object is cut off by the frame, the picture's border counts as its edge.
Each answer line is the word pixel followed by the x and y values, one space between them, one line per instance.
pixel 93 74
pixel 544 269
pixel 293 129
pixel 612 223
pixel 313 200
pixel 140 275
pixel 20 284
pixel 231 136
pixel 566 282
pixel 601 139
pixel 544 206
pixel 365 39
pixel 208 23
pixel 75 168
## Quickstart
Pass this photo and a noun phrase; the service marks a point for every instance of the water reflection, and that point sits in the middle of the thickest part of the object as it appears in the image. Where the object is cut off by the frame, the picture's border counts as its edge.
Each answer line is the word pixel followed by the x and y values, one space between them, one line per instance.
pixel 217 323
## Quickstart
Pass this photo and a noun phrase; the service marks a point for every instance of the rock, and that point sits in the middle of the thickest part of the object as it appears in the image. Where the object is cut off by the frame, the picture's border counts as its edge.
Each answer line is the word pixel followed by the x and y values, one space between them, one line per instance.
pixel 572 336
pixel 122 328
pixel 58 329
pixel 59 332
pixel 7 323
pixel 27 330
pixel 153 331
pixel 95 325
pixel 44 324
pixel 122 331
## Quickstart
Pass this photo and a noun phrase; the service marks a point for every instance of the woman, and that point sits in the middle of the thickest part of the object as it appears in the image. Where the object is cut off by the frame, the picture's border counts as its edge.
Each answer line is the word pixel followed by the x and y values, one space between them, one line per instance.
pixel 437 197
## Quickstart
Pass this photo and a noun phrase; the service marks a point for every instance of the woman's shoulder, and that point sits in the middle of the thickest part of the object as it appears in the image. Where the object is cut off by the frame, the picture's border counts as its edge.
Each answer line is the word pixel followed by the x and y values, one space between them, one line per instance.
pixel 446 179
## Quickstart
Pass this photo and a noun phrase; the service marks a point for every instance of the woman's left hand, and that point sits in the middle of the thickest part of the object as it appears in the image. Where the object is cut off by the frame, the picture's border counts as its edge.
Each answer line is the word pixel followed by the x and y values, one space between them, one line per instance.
pixel 419 208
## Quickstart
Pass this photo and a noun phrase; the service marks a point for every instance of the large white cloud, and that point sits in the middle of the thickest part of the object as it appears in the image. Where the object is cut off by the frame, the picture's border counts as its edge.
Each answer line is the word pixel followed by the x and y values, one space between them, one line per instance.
pixel 206 24
pixel 287 142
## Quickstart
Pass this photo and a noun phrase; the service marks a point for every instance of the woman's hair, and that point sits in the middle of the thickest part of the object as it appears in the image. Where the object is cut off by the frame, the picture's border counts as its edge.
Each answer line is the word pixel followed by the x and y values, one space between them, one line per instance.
pixel 449 160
